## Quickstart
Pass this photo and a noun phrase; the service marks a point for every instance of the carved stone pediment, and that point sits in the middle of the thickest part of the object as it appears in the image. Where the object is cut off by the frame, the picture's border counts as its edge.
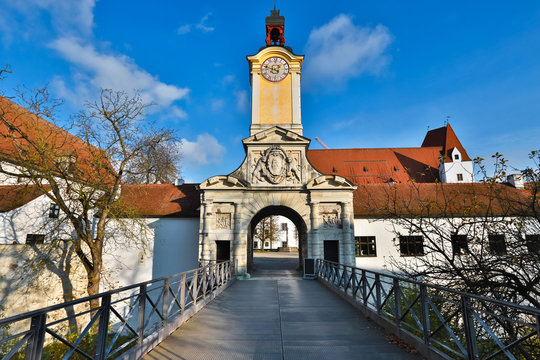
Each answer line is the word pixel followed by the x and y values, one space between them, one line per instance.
pixel 327 182
pixel 275 166
pixel 222 182
pixel 275 135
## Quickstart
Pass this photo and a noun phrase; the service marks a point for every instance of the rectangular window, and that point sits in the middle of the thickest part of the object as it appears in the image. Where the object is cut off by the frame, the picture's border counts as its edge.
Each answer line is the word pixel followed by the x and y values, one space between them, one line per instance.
pixel 456 156
pixel 284 226
pixel 497 245
pixel 459 244
pixel 412 245
pixel 33 239
pixel 365 246
pixel 533 243
pixel 459 177
pixel 54 211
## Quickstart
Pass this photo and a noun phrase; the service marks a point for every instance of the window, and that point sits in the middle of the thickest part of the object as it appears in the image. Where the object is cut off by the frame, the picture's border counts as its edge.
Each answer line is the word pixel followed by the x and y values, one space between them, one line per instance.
pixel 497 244
pixel 456 157
pixel 459 244
pixel 365 246
pixel 411 245
pixel 284 226
pixel 54 211
pixel 459 177
pixel 533 243
pixel 33 239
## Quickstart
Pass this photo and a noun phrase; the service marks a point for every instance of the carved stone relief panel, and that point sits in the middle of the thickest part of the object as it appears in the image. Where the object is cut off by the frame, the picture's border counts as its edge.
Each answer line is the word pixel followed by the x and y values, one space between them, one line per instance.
pixel 276 166
pixel 331 215
pixel 223 221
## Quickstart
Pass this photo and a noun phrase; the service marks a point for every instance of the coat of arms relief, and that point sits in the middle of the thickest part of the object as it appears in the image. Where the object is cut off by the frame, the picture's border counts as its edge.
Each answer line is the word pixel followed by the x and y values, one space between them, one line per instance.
pixel 277 166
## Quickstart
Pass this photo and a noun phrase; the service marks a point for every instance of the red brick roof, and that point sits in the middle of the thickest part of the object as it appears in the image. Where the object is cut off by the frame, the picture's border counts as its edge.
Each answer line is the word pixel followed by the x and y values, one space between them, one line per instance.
pixel 438 199
pixel 446 138
pixel 162 200
pixel 15 196
pixel 378 166
pixel 57 143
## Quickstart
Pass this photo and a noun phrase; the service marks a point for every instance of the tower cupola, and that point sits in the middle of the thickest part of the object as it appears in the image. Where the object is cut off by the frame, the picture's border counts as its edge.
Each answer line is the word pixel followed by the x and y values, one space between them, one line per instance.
pixel 275 29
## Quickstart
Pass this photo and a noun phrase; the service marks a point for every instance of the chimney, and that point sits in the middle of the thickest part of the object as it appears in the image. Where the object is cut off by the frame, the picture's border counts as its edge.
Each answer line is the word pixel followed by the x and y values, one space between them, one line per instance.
pixel 178 182
pixel 516 180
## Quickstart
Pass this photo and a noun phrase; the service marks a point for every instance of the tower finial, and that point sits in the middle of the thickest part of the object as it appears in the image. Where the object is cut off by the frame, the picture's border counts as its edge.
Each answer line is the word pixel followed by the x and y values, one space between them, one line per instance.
pixel 274 5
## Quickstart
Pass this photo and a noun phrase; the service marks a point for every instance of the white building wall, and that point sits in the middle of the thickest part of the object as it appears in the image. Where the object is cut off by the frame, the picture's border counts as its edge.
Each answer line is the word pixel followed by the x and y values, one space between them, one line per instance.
pixel 450 172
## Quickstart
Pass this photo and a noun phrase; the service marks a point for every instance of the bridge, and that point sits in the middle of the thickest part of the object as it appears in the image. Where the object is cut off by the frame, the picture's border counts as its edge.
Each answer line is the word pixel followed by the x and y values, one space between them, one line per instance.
pixel 346 313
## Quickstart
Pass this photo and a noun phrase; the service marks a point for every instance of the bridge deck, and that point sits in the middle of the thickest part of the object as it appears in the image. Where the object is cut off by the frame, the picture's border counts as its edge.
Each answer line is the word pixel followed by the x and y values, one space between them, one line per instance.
pixel 273 317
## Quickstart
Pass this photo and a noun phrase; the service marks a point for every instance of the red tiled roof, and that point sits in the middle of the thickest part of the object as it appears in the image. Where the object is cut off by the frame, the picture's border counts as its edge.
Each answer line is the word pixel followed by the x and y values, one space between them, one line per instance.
pixel 162 200
pixel 15 196
pixel 377 166
pixel 57 143
pixel 438 199
pixel 446 138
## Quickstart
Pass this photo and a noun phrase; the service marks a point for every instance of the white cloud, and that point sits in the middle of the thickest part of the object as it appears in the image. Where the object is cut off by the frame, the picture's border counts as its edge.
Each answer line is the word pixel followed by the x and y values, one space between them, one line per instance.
pixel 203 151
pixel 202 26
pixel 184 29
pixel 241 100
pixel 117 72
pixel 67 17
pixel 340 50
pixel 217 104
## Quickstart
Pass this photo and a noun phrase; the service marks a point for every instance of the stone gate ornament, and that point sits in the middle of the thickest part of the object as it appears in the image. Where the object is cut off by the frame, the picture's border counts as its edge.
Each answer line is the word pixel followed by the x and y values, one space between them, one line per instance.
pixel 275 166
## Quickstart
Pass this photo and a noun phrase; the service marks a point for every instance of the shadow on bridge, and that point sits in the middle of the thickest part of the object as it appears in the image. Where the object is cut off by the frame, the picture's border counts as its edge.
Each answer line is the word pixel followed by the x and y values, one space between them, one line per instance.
pixel 279 316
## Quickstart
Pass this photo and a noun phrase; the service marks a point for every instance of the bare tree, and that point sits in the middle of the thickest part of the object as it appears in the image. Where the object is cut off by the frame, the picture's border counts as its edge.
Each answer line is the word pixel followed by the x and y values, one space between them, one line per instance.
pixel 81 174
pixel 480 238
pixel 157 166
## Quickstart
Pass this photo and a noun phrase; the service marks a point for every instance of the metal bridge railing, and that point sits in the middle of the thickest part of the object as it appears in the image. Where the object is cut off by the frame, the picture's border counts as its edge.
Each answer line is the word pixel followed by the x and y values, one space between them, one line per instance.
pixel 440 322
pixel 127 324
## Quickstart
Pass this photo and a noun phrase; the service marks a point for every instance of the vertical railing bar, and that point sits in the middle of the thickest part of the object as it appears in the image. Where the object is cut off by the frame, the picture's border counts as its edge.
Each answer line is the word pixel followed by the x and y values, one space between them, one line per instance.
pixel 141 314
pixel 183 294
pixel 34 346
pixel 103 327
pixel 468 325
pixel 378 292
pixel 195 287
pixel 397 299
pixel 165 308
pixel 426 326
pixel 204 281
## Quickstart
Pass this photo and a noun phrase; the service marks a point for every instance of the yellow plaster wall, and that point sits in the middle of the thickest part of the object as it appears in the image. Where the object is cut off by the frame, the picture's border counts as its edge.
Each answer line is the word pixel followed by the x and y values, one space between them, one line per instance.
pixel 275 101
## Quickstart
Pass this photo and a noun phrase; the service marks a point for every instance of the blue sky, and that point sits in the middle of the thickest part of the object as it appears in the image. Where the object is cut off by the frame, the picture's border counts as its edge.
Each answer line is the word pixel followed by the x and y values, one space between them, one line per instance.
pixel 376 74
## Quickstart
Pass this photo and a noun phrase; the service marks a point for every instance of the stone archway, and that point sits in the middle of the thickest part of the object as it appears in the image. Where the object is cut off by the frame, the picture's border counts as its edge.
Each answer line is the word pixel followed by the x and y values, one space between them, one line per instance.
pixel 287 212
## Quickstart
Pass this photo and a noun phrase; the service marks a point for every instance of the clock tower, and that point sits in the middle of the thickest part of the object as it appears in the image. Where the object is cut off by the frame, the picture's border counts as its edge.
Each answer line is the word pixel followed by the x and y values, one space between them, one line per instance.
pixel 275 81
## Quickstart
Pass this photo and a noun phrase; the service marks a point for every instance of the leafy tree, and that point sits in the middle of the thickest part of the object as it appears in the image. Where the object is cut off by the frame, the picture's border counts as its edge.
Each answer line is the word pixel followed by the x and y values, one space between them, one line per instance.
pixel 81 174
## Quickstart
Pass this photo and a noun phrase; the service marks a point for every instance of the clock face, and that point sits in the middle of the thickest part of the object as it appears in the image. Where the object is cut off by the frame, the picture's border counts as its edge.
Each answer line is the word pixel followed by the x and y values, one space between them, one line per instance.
pixel 275 69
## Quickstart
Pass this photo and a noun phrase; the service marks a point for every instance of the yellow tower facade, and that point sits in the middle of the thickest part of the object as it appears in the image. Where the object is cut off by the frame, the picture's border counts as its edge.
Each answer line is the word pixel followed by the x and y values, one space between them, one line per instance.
pixel 275 83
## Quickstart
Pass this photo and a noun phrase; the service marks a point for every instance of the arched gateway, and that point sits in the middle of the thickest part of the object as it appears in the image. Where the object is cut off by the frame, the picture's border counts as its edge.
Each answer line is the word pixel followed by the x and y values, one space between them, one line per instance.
pixel 276 177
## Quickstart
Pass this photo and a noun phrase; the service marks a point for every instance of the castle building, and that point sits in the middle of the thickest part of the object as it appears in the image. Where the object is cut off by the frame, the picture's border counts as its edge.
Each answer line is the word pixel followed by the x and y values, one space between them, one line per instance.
pixel 341 201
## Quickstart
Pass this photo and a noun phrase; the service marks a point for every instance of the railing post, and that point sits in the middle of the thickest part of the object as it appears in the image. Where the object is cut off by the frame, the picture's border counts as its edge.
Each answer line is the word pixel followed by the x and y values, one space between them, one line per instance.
pixel 195 286
pixel 165 308
pixel 425 314
pixel 182 293
pixel 141 314
pixel 364 288
pixel 378 292
pixel 103 328
pixel 397 302
pixel 468 325
pixel 354 288
pixel 34 346
pixel 204 274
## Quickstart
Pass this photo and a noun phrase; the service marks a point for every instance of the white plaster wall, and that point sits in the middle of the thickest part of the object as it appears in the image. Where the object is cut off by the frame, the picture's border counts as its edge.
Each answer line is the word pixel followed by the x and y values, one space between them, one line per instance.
pixel 7 179
pixel 448 171
pixel 31 218
pixel 176 245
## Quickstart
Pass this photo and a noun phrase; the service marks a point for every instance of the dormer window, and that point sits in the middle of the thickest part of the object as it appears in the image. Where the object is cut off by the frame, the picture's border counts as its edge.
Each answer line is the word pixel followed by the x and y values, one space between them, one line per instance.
pixel 455 155
pixel 459 177
pixel 54 211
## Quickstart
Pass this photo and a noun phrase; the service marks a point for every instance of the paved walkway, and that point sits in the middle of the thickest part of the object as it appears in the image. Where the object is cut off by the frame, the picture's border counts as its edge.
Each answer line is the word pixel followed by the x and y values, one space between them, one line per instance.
pixel 284 318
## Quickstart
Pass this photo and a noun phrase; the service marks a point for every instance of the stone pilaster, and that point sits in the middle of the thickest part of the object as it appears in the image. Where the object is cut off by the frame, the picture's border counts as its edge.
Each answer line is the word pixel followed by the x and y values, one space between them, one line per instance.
pixel 314 243
pixel 347 255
